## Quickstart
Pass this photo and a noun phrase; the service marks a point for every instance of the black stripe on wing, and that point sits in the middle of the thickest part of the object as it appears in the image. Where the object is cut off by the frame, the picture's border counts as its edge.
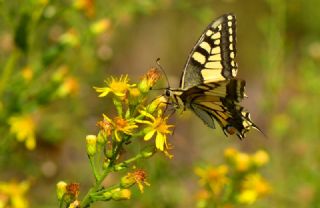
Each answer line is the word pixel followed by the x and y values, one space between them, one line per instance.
pixel 212 58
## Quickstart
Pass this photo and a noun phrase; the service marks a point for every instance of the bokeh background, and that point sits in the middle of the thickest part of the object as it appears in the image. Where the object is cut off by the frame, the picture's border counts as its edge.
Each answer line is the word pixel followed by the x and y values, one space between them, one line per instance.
pixel 53 52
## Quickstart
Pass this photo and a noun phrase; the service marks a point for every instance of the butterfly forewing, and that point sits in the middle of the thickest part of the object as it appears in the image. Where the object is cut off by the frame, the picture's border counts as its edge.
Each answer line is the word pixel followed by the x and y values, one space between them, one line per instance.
pixel 212 58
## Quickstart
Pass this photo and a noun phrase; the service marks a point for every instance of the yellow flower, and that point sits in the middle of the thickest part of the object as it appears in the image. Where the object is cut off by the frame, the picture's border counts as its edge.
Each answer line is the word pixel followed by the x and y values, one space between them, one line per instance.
pixel 118 87
pixel 121 125
pixel 13 194
pixel 242 162
pixel 100 26
pixel 69 86
pixel 215 177
pixel 247 197
pixel 230 153
pixel 138 177
pixel 27 73
pixel 70 38
pixel 158 125
pixel 23 127
pixel 85 5
pixel 260 158
pixel 253 186
pixel 257 183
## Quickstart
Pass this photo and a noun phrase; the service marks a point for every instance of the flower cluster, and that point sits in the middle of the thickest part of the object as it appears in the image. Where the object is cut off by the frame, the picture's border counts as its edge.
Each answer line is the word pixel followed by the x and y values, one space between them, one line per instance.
pixel 237 182
pixel 13 194
pixel 135 117
pixel 137 120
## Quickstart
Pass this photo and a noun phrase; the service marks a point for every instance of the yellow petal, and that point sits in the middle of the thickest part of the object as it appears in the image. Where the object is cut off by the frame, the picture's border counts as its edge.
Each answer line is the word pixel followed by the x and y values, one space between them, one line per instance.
pixel 144 122
pixel 160 141
pixel 30 143
pixel 149 135
pixel 117 136
pixel 107 118
pixel 146 114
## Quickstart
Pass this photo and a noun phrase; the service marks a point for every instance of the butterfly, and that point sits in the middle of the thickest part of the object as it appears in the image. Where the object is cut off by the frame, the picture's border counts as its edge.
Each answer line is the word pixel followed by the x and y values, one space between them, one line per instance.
pixel 208 84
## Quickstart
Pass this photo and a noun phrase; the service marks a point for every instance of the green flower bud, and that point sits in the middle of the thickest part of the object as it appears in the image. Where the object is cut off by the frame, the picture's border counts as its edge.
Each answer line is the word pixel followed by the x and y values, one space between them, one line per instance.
pixel 107 195
pixel 101 138
pixel 91 145
pixel 143 86
pixel 120 167
pixel 61 189
pixel 127 181
pixel 121 194
pixel 148 151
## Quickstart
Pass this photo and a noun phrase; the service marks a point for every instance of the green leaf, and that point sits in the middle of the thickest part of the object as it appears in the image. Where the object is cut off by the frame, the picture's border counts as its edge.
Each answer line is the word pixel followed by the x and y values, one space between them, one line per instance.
pixel 21 32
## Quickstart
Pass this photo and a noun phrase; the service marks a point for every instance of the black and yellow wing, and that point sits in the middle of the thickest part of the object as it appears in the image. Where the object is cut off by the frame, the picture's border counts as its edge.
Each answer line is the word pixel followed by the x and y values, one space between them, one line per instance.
pixel 213 57
pixel 208 86
pixel 220 101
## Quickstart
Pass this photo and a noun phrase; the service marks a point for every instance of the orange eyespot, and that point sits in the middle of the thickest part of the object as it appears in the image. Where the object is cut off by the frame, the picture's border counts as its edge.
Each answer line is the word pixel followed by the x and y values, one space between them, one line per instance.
pixel 231 130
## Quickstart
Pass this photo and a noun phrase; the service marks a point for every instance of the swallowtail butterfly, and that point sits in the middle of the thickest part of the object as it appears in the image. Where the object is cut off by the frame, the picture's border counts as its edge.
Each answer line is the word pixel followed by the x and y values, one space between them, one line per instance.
pixel 208 85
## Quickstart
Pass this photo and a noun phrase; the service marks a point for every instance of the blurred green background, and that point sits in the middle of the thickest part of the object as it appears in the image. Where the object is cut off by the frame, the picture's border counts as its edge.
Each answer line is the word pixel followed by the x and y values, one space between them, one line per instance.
pixel 53 52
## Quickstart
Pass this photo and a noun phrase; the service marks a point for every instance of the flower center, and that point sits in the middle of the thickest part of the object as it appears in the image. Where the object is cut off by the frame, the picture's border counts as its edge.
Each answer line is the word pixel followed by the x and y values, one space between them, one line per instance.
pixel 120 123
pixel 118 86
pixel 160 125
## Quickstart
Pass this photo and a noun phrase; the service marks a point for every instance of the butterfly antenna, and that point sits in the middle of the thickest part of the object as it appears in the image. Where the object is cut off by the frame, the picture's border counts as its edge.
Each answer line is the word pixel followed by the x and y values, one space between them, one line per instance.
pixel 159 65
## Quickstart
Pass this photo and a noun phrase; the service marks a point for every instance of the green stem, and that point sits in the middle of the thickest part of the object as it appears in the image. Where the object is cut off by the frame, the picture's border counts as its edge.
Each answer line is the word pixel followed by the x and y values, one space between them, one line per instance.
pixel 94 168
pixel 7 71
pixel 107 189
pixel 87 198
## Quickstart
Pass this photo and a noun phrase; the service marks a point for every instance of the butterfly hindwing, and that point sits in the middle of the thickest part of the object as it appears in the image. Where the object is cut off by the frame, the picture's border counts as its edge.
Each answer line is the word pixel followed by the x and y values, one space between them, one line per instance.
pixel 212 58
pixel 233 120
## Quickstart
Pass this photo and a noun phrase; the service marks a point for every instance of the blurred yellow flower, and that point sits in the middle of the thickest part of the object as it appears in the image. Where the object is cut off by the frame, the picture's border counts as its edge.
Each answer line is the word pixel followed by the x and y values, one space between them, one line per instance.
pixel 69 86
pixel 215 177
pixel 100 26
pixel 27 73
pixel 70 38
pixel 158 125
pixel 118 87
pixel 60 73
pixel 12 194
pixel 242 162
pixel 121 125
pixel 23 127
pixel 253 186
pixel 256 183
pixel 247 197
pixel 230 153
pixel 86 5
pixel 260 158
